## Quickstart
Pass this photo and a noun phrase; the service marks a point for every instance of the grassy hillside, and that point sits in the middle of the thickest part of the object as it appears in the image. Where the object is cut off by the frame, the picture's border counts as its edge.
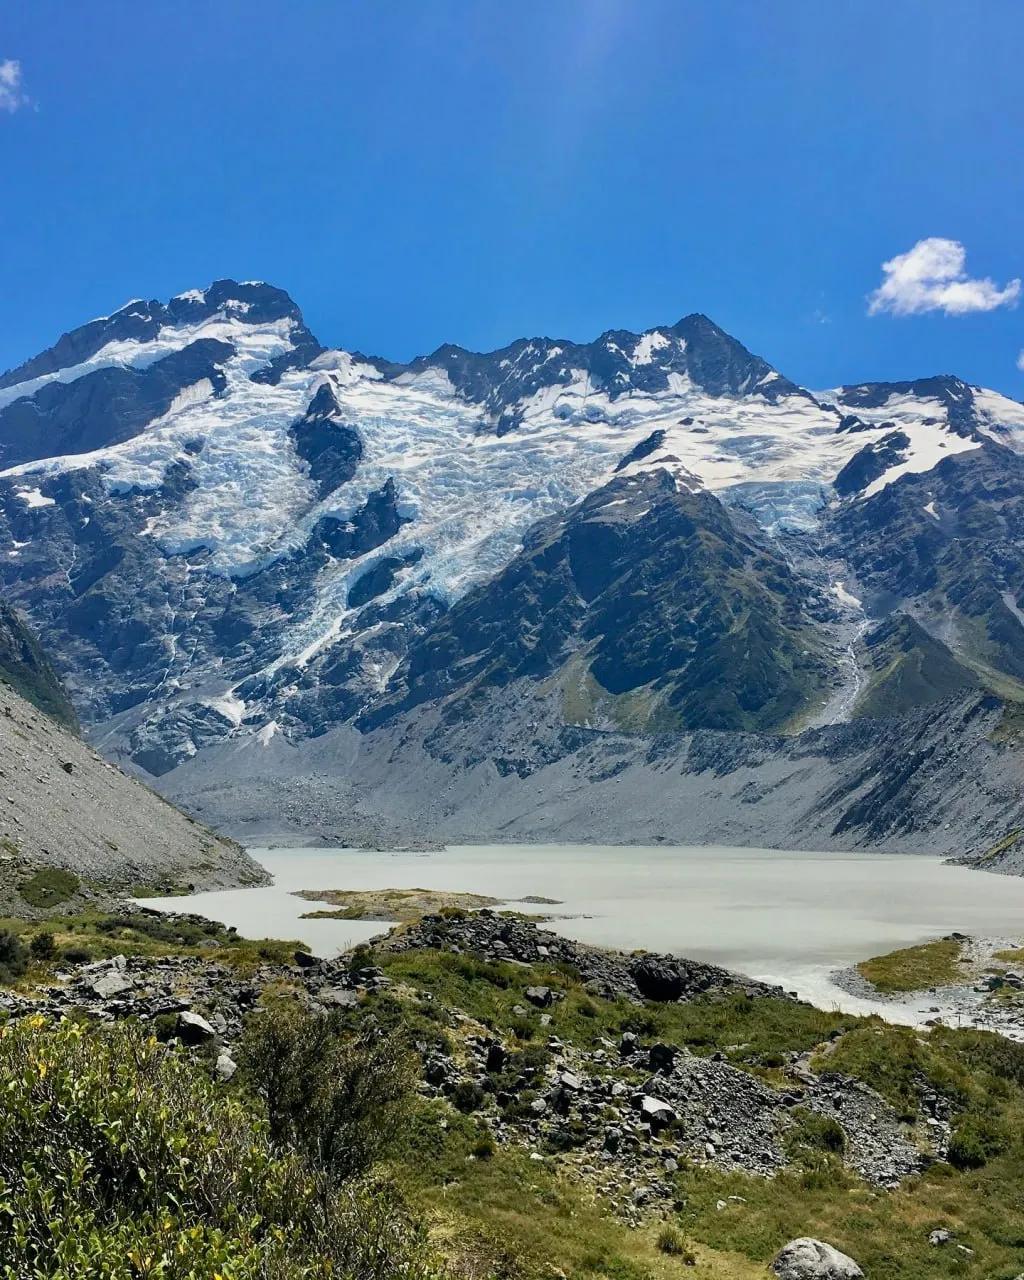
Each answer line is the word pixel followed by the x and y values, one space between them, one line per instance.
pixel 909 668
pixel 328 1154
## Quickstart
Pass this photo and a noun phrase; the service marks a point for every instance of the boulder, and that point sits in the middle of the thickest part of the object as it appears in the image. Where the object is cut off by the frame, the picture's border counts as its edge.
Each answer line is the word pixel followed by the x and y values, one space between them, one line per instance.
pixel 497 1057
pixel 657 978
pixel 226 1066
pixel 338 997
pixel 809 1259
pixel 656 1113
pixel 437 1070
pixel 110 985
pixel 662 1057
pixel 541 997
pixel 194 1029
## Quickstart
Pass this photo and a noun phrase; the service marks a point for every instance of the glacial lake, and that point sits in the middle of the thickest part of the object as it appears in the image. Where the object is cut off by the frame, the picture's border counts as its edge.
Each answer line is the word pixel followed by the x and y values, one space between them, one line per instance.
pixel 787 918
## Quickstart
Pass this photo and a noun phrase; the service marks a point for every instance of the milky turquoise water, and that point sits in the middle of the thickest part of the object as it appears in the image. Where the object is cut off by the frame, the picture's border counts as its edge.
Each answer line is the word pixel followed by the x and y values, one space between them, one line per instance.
pixel 790 918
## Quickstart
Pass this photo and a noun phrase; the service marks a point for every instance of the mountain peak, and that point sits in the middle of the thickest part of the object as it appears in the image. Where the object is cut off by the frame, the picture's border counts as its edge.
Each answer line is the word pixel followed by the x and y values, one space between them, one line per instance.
pixel 142 321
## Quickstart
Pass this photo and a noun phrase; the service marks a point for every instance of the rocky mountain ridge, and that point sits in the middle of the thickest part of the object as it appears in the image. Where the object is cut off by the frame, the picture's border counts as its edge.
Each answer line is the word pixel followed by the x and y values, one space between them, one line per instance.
pixel 246 548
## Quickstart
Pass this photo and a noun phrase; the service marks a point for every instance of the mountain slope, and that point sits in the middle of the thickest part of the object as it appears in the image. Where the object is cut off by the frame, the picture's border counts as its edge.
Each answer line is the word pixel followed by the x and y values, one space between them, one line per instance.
pixel 65 808
pixel 644 598
pixel 73 827
pixel 246 546
pixel 27 670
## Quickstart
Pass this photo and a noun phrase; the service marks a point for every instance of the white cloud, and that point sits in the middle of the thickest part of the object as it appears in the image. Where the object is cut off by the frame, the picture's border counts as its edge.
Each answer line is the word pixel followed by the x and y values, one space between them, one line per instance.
pixel 12 96
pixel 932 277
pixel 1020 362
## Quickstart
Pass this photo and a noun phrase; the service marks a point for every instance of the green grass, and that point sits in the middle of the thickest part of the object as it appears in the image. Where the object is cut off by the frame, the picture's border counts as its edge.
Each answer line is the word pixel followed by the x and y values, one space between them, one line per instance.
pixel 512 1216
pixel 138 933
pixel 896 1061
pixel 756 1032
pixel 500 1214
pixel 49 887
pixel 932 964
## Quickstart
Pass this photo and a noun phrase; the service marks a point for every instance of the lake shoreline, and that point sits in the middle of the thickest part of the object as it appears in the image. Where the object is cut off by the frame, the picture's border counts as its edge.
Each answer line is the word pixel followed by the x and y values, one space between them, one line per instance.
pixel 794 919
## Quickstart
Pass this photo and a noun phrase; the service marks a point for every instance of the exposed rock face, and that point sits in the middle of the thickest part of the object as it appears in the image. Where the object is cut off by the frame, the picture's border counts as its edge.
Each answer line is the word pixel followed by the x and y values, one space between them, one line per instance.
pixel 673 606
pixel 873 461
pixel 231 537
pixel 108 406
pixel 28 671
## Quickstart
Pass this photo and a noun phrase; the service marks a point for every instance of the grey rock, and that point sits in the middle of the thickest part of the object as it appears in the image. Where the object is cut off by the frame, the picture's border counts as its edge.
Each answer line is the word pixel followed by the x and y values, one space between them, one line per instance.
pixel 810 1259
pixel 656 1113
pixel 338 997
pixel 110 985
pixel 192 1028
pixel 226 1066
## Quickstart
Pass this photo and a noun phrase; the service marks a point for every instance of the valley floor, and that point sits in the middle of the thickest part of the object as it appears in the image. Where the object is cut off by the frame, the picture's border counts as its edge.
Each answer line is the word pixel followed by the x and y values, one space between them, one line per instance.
pixel 583 1112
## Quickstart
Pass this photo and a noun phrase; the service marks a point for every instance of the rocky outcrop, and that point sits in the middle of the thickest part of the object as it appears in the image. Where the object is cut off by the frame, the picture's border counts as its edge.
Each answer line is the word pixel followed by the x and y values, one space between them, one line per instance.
pixel 606 973
pixel 623 1114
pixel 28 671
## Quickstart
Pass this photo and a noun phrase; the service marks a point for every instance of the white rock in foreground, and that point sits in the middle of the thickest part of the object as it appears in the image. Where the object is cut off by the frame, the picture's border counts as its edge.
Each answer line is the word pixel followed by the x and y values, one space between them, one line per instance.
pixel 807 1259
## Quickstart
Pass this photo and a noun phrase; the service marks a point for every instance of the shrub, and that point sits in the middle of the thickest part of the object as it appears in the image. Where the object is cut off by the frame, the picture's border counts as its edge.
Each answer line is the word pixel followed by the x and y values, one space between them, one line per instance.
pixel 671 1242
pixel 484 1147
pixel 43 946
pixel 120 1158
pixel 76 955
pixel 334 1093
pixel 976 1139
pixel 815 1133
pixel 467 1096
pixel 13 956
pixel 523 1028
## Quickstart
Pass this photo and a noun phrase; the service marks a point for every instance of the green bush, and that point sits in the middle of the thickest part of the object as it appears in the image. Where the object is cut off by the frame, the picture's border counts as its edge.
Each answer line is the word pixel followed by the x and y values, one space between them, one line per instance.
pixel 467 1096
pixel 976 1139
pixel 332 1092
pixel 671 1242
pixel 43 946
pixel 122 1159
pixel 13 956
pixel 76 955
pixel 484 1147
pixel 812 1133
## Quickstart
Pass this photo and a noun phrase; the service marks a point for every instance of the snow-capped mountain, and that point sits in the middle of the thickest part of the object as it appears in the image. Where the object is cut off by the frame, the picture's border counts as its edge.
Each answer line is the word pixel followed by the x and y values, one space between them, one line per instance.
pixel 238 541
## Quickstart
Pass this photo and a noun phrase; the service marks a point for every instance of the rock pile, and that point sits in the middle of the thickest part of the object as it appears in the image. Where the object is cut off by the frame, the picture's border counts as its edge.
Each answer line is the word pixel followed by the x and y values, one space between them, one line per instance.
pixel 607 974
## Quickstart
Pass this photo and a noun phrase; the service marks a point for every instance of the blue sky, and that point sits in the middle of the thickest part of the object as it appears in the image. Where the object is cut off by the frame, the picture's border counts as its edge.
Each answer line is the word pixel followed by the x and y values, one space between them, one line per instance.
pixel 421 171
